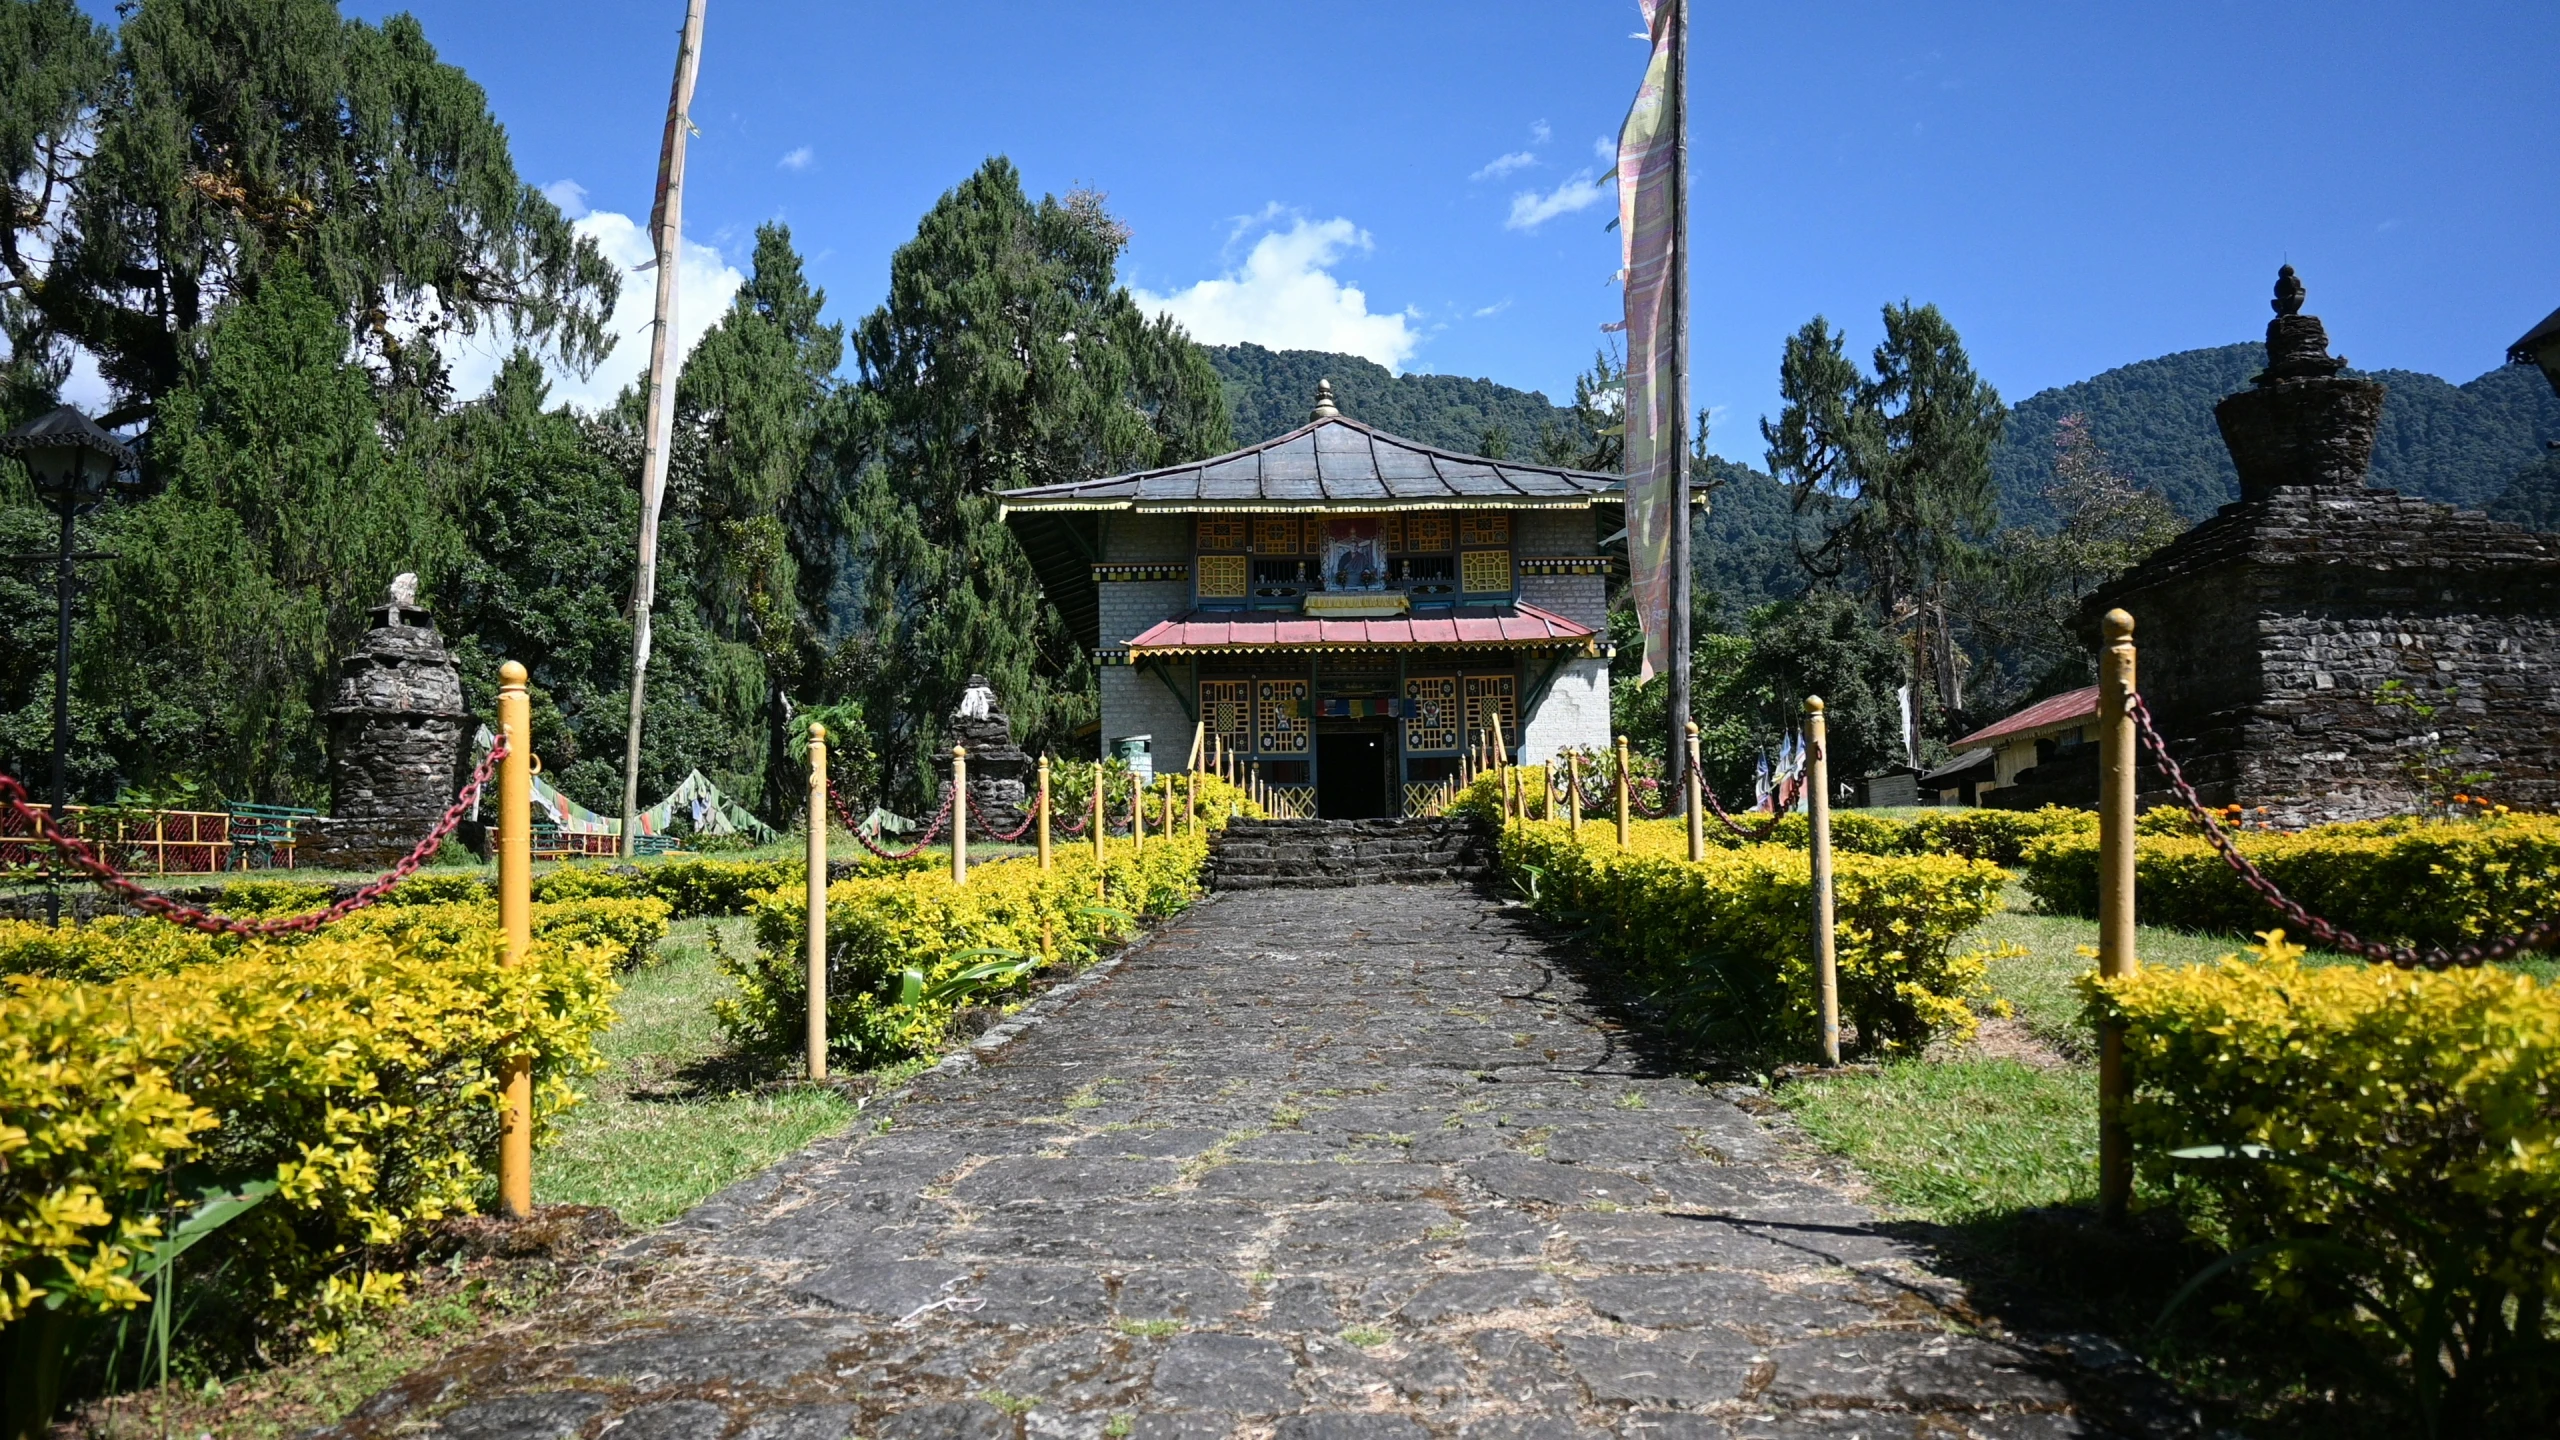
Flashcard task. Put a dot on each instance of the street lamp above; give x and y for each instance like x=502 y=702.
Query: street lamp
x=74 y=466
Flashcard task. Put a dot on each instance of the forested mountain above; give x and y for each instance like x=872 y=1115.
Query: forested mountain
x=2461 y=443
x=1269 y=392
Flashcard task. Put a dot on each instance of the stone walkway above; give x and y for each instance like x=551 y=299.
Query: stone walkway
x=1315 y=1166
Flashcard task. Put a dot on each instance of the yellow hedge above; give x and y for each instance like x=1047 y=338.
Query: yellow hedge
x=2399 y=881
x=116 y=946
x=880 y=926
x=2001 y=836
x=2386 y=1129
x=355 y=1071
x=1727 y=941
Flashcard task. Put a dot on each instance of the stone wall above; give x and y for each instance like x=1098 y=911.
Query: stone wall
x=2266 y=633
x=1136 y=702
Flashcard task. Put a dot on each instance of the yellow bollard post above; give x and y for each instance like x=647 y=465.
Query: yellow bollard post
x=2117 y=757
x=817 y=938
x=515 y=921
x=1573 y=794
x=1622 y=792
x=1098 y=821
x=1697 y=796
x=959 y=815
x=1044 y=812
x=1817 y=791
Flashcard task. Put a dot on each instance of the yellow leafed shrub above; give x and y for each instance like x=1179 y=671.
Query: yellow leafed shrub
x=116 y=946
x=2392 y=1136
x=2401 y=882
x=358 y=1073
x=1727 y=941
x=879 y=927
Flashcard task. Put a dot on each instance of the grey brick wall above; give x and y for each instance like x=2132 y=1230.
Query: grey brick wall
x=1135 y=703
x=1583 y=599
x=1146 y=537
x=1129 y=607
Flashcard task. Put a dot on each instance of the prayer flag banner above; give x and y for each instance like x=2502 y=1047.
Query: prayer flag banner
x=1647 y=193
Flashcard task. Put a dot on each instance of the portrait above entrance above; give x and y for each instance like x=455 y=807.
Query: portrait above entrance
x=1350 y=612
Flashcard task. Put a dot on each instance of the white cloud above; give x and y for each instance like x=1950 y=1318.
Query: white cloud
x=1502 y=165
x=800 y=159
x=1286 y=296
x=1540 y=133
x=1605 y=150
x=704 y=284
x=570 y=196
x=1529 y=209
x=1496 y=308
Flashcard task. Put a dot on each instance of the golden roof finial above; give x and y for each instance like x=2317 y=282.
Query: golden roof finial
x=1324 y=402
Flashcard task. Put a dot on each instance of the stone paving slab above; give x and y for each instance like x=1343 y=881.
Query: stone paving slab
x=1299 y=1167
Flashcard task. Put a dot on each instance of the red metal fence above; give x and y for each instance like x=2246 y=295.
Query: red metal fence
x=155 y=842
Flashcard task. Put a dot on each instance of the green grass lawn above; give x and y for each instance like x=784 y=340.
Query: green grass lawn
x=676 y=1117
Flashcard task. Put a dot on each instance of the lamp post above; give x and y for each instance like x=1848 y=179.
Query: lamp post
x=74 y=466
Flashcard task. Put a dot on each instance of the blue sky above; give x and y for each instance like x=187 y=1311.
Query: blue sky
x=2077 y=186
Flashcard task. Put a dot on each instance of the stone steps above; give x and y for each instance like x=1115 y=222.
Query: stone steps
x=1332 y=854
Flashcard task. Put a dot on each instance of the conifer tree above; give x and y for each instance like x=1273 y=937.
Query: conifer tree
x=1005 y=356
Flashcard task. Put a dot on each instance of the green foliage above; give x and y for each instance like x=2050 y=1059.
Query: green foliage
x=2398 y=882
x=357 y=1075
x=205 y=143
x=2463 y=444
x=905 y=951
x=2532 y=499
x=2375 y=1148
x=1722 y=943
x=1269 y=392
x=2021 y=597
x=1005 y=356
x=1894 y=470
x=2434 y=767
x=233 y=591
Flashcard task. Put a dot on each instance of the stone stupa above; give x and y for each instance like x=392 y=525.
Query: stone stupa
x=2266 y=632
x=396 y=731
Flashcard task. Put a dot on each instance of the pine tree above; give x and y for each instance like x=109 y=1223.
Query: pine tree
x=233 y=591
x=154 y=174
x=1005 y=356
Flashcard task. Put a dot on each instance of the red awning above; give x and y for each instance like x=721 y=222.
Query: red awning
x=1515 y=626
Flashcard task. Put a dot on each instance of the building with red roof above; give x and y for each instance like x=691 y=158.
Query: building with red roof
x=1350 y=610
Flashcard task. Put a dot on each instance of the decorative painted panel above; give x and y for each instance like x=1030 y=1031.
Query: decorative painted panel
x=1223 y=577
x=1392 y=527
x=1483 y=527
x=1222 y=532
x=1275 y=535
x=1280 y=717
x=1428 y=534
x=1485 y=572
x=1226 y=708
x=1489 y=696
x=1433 y=725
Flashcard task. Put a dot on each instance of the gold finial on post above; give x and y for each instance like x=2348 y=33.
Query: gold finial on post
x=959 y=815
x=1044 y=812
x=1817 y=800
x=2117 y=756
x=817 y=887
x=1324 y=402
x=1573 y=794
x=515 y=922
x=1697 y=798
x=1622 y=792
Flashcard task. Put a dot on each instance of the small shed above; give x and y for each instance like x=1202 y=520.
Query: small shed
x=1993 y=757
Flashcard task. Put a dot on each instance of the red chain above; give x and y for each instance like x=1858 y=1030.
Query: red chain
x=150 y=902
x=2542 y=935
x=1018 y=831
x=932 y=828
